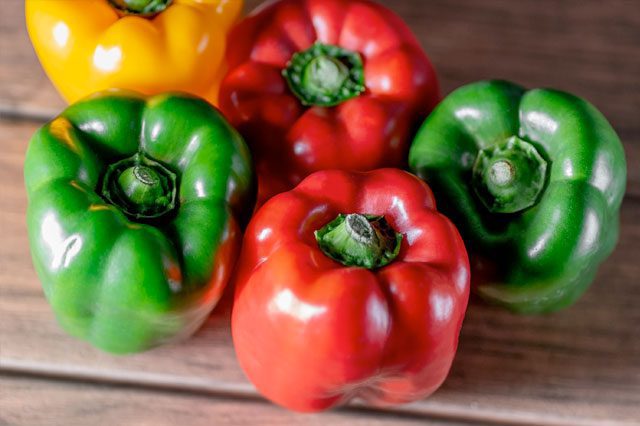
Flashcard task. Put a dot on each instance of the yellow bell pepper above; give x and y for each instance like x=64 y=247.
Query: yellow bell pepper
x=149 y=46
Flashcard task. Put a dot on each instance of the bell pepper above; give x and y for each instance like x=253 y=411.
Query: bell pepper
x=134 y=215
x=150 y=46
x=325 y=84
x=350 y=285
x=534 y=179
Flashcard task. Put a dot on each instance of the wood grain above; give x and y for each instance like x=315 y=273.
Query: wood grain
x=576 y=367
x=70 y=403
x=588 y=47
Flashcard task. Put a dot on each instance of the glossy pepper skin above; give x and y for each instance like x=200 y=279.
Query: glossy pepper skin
x=537 y=242
x=325 y=84
x=92 y=45
x=134 y=215
x=311 y=333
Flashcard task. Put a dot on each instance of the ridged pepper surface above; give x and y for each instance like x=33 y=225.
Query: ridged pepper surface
x=134 y=215
x=534 y=179
x=150 y=46
x=350 y=285
x=325 y=84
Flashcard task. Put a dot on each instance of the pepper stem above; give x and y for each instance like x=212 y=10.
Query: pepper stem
x=141 y=185
x=510 y=177
x=365 y=241
x=142 y=188
x=145 y=8
x=325 y=75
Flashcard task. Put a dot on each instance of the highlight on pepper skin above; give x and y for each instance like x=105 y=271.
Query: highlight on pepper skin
x=351 y=285
x=535 y=189
x=315 y=85
x=134 y=238
x=149 y=46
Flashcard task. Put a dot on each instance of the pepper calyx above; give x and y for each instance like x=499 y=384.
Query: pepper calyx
x=144 y=8
x=325 y=75
x=366 y=241
x=141 y=187
x=509 y=177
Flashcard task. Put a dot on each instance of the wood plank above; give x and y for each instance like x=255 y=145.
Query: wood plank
x=589 y=47
x=25 y=87
x=38 y=402
x=576 y=367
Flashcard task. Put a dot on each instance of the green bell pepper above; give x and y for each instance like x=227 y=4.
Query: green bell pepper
x=134 y=216
x=534 y=180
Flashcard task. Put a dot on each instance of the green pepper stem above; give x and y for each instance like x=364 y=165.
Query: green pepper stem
x=141 y=187
x=145 y=8
x=509 y=177
x=325 y=75
x=502 y=173
x=365 y=241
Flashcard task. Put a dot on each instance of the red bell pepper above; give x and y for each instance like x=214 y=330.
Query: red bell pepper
x=350 y=285
x=325 y=84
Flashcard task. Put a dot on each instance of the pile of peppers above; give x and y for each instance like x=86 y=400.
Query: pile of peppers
x=146 y=200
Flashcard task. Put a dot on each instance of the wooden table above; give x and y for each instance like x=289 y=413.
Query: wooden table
x=577 y=367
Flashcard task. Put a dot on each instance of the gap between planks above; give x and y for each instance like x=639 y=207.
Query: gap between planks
x=480 y=335
x=67 y=402
x=205 y=387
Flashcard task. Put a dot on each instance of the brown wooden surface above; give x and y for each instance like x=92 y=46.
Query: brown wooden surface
x=580 y=366
x=69 y=403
